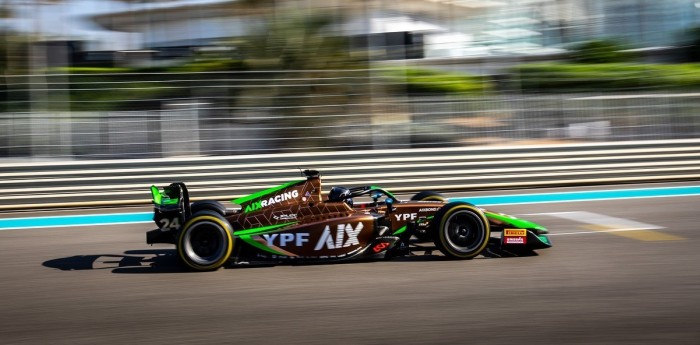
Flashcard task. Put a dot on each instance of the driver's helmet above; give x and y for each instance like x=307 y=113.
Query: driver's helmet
x=340 y=194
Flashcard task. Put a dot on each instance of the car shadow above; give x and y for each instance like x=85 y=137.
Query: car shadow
x=427 y=252
x=132 y=261
x=166 y=261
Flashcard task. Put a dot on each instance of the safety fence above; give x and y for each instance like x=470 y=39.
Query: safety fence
x=155 y=115
x=91 y=183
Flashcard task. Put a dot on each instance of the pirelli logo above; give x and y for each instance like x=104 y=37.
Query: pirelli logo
x=514 y=232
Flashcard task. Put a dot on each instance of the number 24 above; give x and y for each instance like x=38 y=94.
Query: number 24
x=167 y=224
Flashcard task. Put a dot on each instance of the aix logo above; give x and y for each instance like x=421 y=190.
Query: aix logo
x=345 y=236
x=272 y=200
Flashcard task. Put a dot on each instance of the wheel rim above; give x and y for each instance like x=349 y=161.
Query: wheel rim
x=464 y=231
x=204 y=243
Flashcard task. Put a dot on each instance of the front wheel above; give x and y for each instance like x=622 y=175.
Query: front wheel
x=206 y=241
x=460 y=230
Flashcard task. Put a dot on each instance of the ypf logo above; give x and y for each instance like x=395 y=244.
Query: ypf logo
x=287 y=238
x=405 y=216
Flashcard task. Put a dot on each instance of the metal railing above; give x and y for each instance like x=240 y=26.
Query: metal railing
x=228 y=113
x=31 y=185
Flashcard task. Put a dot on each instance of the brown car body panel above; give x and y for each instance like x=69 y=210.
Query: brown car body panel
x=297 y=221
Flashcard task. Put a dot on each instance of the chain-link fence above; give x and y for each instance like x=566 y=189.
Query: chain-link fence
x=227 y=113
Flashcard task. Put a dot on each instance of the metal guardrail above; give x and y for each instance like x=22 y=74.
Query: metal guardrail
x=158 y=115
x=32 y=185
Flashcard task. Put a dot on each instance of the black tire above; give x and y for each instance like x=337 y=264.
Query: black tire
x=428 y=196
x=206 y=241
x=208 y=205
x=460 y=230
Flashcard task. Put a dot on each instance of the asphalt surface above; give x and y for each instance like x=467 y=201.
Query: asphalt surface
x=600 y=285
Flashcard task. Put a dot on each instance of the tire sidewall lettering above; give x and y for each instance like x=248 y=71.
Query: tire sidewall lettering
x=450 y=213
x=228 y=238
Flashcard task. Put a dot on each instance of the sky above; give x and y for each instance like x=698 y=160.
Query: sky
x=70 y=20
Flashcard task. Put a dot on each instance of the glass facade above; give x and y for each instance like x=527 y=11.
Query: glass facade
x=531 y=26
x=647 y=22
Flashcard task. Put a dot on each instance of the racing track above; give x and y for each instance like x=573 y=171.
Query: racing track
x=621 y=271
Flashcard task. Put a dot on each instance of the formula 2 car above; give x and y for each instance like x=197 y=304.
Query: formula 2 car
x=294 y=222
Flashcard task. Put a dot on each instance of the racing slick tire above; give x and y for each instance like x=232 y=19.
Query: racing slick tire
x=428 y=196
x=206 y=241
x=460 y=230
x=208 y=205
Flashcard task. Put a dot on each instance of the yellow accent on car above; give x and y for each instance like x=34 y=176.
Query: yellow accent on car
x=514 y=232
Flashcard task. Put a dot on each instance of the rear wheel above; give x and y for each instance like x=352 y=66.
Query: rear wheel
x=206 y=241
x=460 y=230
x=428 y=196
x=208 y=205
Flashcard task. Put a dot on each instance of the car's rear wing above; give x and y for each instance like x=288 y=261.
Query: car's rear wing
x=171 y=208
x=172 y=197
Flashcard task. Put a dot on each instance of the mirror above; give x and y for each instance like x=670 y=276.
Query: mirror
x=389 y=205
x=375 y=195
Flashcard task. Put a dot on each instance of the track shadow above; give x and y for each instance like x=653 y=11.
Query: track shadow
x=166 y=260
x=133 y=261
x=428 y=252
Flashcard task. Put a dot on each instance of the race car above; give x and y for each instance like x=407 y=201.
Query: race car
x=296 y=222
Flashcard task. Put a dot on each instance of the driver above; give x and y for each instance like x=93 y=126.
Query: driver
x=340 y=194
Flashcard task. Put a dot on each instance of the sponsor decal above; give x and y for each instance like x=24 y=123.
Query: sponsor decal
x=285 y=217
x=429 y=209
x=380 y=246
x=406 y=216
x=272 y=200
x=515 y=240
x=345 y=236
x=515 y=232
x=297 y=239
